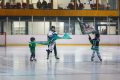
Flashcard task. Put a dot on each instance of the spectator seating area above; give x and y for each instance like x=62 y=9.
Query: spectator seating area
x=31 y=6
x=70 y=6
x=80 y=6
x=18 y=5
x=34 y=6
x=101 y=6
x=49 y=5
x=92 y=6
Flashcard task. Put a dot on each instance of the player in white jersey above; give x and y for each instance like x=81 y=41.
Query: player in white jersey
x=53 y=34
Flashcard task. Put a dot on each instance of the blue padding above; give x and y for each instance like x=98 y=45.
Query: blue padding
x=53 y=35
x=119 y=13
x=84 y=3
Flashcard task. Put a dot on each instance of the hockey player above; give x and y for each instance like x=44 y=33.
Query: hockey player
x=52 y=44
x=32 y=49
x=95 y=46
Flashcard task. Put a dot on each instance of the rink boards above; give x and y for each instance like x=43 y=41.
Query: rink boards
x=23 y=40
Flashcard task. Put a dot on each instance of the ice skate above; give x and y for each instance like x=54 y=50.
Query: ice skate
x=31 y=59
x=92 y=59
x=56 y=57
x=47 y=57
x=100 y=59
x=35 y=59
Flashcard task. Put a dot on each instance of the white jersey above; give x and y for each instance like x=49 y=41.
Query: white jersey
x=52 y=33
x=51 y=46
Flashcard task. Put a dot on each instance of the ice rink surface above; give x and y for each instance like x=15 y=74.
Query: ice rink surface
x=74 y=64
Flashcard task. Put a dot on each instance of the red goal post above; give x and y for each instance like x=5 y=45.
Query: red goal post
x=3 y=39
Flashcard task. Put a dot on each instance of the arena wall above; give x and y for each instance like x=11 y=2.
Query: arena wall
x=76 y=39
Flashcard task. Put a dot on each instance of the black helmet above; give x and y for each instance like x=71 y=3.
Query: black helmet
x=32 y=39
x=52 y=27
x=97 y=35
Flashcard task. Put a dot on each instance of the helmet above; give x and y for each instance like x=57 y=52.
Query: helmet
x=52 y=27
x=97 y=35
x=32 y=39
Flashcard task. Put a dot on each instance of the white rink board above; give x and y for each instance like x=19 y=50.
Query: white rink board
x=2 y=39
x=76 y=39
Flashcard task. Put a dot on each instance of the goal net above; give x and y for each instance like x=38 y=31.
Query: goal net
x=3 y=39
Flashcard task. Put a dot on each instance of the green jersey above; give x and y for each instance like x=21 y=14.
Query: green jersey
x=95 y=44
x=32 y=47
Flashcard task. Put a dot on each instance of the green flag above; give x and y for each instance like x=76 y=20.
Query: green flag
x=65 y=36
